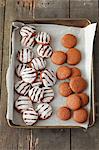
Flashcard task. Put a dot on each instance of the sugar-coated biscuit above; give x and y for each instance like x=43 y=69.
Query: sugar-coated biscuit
x=29 y=75
x=63 y=72
x=73 y=56
x=23 y=103
x=58 y=57
x=38 y=63
x=44 y=110
x=30 y=116
x=69 y=40
x=45 y=51
x=22 y=87
x=27 y=30
x=36 y=94
x=19 y=69
x=84 y=98
x=73 y=102
x=75 y=72
x=28 y=41
x=78 y=84
x=48 y=94
x=64 y=89
x=48 y=78
x=43 y=38
x=64 y=113
x=25 y=55
x=80 y=115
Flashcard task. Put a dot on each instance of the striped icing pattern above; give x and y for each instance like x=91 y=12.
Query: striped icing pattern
x=43 y=38
x=30 y=117
x=28 y=41
x=19 y=69
x=48 y=78
x=27 y=30
x=25 y=55
x=29 y=75
x=44 y=51
x=38 y=63
x=36 y=94
x=23 y=103
x=38 y=81
x=48 y=95
x=44 y=110
x=22 y=87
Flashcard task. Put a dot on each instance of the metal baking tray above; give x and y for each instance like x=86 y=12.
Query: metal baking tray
x=68 y=22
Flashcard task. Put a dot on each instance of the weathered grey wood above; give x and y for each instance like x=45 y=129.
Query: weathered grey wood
x=84 y=9
x=51 y=8
x=2 y=5
x=87 y=140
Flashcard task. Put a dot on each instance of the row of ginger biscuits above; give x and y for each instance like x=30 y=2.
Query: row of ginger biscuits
x=74 y=84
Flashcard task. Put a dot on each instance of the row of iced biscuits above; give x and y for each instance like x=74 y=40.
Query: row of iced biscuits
x=36 y=83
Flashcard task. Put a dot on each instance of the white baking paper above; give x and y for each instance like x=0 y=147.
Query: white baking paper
x=85 y=38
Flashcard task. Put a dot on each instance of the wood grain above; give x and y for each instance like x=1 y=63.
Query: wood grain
x=84 y=9
x=51 y=9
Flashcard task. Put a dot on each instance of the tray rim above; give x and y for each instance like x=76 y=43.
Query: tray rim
x=10 y=122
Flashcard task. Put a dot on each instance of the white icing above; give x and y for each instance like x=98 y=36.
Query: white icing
x=23 y=103
x=44 y=51
x=25 y=55
x=36 y=94
x=22 y=88
x=44 y=110
x=43 y=38
x=28 y=41
x=27 y=30
x=48 y=95
x=48 y=78
x=38 y=63
x=30 y=116
x=19 y=68
x=28 y=75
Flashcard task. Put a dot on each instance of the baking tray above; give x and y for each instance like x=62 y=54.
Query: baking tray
x=68 y=22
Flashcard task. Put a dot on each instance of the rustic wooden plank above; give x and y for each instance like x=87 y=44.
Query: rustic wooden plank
x=84 y=9
x=81 y=140
x=2 y=6
x=51 y=8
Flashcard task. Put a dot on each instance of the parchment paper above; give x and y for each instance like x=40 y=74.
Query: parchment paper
x=85 y=38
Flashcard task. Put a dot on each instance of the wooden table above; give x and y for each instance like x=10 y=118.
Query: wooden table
x=45 y=139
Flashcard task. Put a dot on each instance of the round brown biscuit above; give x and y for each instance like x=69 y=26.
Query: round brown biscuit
x=63 y=72
x=69 y=40
x=64 y=113
x=58 y=57
x=64 y=89
x=78 y=84
x=84 y=98
x=73 y=102
x=80 y=115
x=73 y=56
x=75 y=72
